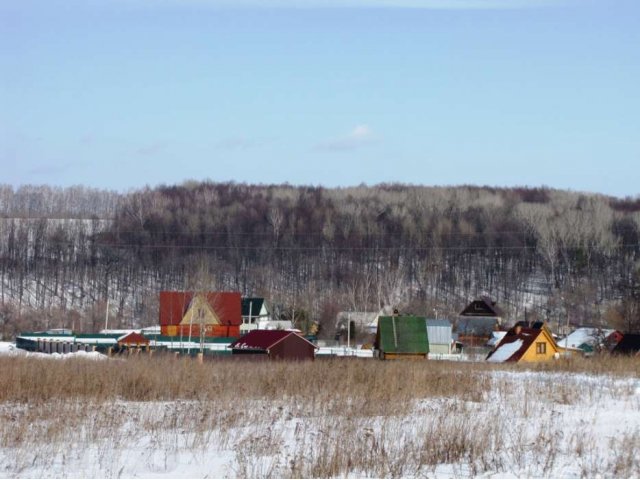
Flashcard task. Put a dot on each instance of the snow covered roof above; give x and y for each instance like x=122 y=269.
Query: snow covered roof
x=496 y=337
x=585 y=335
x=505 y=351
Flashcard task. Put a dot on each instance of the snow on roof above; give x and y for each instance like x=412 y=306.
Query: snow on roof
x=495 y=338
x=505 y=352
x=588 y=335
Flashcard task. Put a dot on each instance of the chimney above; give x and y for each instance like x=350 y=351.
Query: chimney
x=517 y=329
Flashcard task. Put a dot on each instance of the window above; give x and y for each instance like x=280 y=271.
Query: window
x=541 y=348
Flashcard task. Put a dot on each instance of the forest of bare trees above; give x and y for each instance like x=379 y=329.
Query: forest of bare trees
x=566 y=257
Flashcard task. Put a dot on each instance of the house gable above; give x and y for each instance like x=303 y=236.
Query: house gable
x=483 y=307
x=175 y=305
x=200 y=313
x=254 y=307
x=542 y=348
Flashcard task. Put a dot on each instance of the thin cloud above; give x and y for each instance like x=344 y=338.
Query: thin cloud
x=360 y=136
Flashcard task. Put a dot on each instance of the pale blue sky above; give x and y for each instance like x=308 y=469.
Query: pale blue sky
x=121 y=94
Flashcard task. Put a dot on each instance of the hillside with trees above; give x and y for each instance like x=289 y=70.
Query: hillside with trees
x=565 y=257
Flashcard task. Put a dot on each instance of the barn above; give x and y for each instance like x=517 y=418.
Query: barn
x=275 y=344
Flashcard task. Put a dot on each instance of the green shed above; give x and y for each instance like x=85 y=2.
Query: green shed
x=402 y=337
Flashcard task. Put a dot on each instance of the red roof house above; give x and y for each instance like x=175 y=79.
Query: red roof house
x=276 y=344
x=133 y=339
x=211 y=314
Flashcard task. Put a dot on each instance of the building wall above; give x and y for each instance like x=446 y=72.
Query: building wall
x=292 y=347
x=209 y=330
x=403 y=356
x=439 y=348
x=532 y=355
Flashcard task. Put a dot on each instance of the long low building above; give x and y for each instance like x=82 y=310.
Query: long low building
x=52 y=341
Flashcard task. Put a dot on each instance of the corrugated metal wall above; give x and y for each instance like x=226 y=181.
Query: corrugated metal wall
x=439 y=332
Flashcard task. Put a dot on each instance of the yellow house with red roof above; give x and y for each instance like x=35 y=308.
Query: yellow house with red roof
x=528 y=344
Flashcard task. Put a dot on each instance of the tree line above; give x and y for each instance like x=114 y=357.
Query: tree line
x=565 y=257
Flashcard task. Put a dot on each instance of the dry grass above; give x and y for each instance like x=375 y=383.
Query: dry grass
x=329 y=418
x=167 y=378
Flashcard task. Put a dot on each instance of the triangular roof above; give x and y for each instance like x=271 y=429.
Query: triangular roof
x=226 y=305
x=264 y=339
x=402 y=334
x=482 y=307
x=133 y=338
x=252 y=306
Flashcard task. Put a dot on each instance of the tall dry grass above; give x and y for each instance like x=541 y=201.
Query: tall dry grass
x=167 y=378
x=323 y=419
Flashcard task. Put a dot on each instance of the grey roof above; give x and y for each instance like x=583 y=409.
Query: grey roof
x=438 y=322
x=480 y=326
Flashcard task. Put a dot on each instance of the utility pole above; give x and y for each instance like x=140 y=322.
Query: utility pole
x=349 y=330
x=106 y=316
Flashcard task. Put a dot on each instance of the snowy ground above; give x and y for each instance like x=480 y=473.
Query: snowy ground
x=528 y=424
x=9 y=349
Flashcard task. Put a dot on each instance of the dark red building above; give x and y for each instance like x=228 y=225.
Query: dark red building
x=276 y=344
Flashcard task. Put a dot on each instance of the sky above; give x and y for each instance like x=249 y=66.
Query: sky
x=121 y=94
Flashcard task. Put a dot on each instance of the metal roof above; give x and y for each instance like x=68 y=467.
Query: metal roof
x=402 y=335
x=263 y=339
x=226 y=305
x=438 y=322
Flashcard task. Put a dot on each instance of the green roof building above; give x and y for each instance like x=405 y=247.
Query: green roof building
x=402 y=337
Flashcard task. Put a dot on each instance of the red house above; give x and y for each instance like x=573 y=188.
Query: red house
x=210 y=314
x=133 y=339
x=276 y=344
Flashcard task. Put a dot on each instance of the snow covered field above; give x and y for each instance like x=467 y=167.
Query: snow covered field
x=523 y=423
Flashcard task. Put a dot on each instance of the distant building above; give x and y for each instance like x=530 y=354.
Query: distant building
x=477 y=321
x=254 y=312
x=402 y=337
x=629 y=345
x=524 y=343
x=440 y=335
x=275 y=345
x=195 y=314
x=591 y=339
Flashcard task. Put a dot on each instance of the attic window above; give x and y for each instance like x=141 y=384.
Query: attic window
x=541 y=348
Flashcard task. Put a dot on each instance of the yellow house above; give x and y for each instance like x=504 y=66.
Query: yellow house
x=526 y=344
